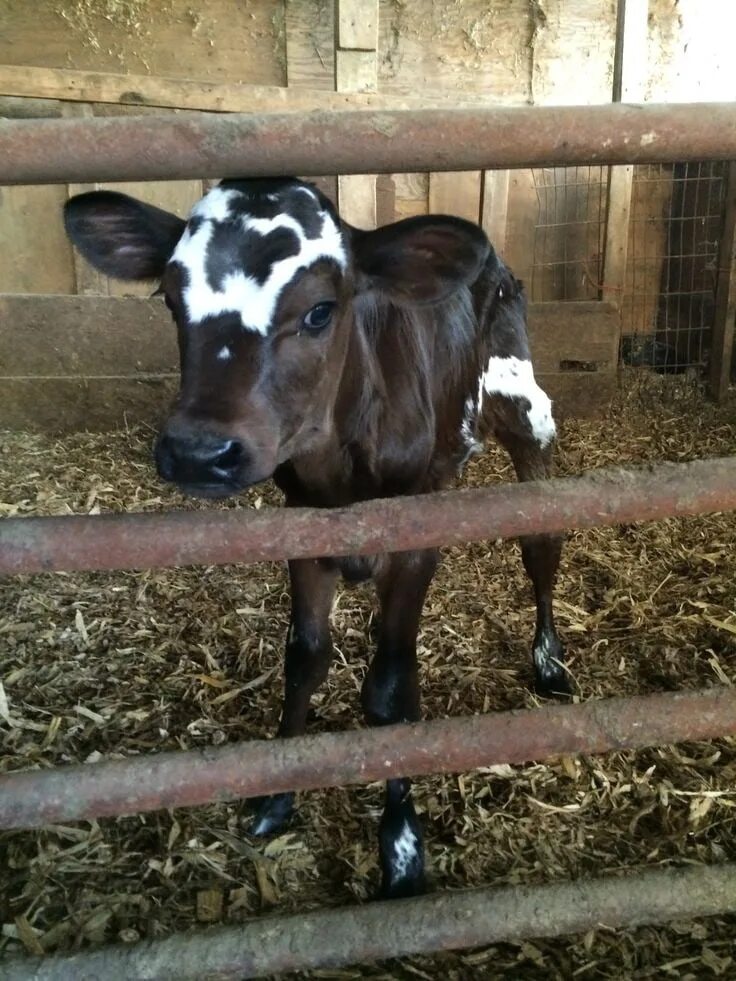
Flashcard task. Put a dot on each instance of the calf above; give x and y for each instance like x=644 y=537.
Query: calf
x=346 y=365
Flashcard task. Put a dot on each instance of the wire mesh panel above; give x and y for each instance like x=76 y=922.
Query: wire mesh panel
x=569 y=232
x=675 y=226
x=674 y=233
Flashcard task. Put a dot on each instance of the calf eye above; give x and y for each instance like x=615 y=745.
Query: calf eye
x=318 y=317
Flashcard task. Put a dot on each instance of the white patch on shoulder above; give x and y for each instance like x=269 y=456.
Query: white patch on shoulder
x=239 y=292
x=405 y=851
x=514 y=377
x=224 y=354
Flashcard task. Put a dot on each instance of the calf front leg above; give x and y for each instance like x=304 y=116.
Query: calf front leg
x=308 y=656
x=390 y=694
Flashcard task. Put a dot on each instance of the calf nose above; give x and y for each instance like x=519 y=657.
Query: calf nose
x=205 y=459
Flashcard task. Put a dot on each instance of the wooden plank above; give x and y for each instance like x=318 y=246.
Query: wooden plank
x=357 y=25
x=310 y=46
x=724 y=319
x=412 y=195
x=357 y=71
x=522 y=215
x=37 y=253
x=85 y=335
x=218 y=40
x=310 y=62
x=630 y=61
x=578 y=337
x=21 y=87
x=473 y=47
x=86 y=359
x=455 y=194
x=63 y=405
x=577 y=395
x=495 y=207
x=89 y=335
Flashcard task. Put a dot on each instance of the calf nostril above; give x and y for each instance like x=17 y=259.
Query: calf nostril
x=228 y=457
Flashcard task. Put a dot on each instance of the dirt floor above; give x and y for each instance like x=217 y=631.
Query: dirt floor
x=101 y=666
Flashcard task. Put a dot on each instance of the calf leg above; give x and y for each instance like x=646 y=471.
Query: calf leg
x=391 y=694
x=308 y=657
x=540 y=553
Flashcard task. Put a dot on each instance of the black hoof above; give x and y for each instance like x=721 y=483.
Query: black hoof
x=557 y=686
x=271 y=813
x=551 y=680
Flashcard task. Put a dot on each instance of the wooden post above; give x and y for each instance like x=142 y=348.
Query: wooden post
x=628 y=86
x=494 y=207
x=356 y=70
x=724 y=317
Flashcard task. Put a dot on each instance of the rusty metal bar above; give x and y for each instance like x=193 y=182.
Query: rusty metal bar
x=445 y=921
x=250 y=769
x=239 y=145
x=179 y=538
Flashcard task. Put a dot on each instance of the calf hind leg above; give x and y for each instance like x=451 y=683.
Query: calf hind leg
x=391 y=694
x=532 y=460
x=308 y=657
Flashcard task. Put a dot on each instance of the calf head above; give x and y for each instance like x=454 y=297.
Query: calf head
x=261 y=280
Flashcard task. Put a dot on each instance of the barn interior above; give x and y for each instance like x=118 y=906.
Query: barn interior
x=630 y=274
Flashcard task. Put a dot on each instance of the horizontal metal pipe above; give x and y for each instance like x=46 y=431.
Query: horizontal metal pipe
x=179 y=538
x=177 y=779
x=445 y=921
x=253 y=145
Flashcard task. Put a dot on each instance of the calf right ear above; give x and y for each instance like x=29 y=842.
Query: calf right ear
x=121 y=236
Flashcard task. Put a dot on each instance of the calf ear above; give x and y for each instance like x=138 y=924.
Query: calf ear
x=420 y=260
x=120 y=236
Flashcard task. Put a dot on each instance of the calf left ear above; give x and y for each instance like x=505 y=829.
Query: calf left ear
x=121 y=236
x=420 y=260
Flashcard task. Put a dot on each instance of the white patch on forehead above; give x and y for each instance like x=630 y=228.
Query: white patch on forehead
x=215 y=205
x=405 y=852
x=240 y=293
x=515 y=378
x=224 y=354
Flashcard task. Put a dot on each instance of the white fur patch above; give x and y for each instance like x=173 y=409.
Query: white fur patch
x=224 y=354
x=405 y=851
x=241 y=293
x=467 y=430
x=542 y=653
x=515 y=378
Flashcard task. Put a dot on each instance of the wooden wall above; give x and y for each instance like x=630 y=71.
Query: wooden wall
x=103 y=57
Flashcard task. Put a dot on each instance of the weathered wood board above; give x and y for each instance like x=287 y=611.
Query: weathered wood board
x=216 y=41
x=88 y=362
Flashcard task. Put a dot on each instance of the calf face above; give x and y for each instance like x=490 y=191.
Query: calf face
x=261 y=281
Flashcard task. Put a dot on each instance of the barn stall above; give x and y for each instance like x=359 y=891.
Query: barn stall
x=98 y=666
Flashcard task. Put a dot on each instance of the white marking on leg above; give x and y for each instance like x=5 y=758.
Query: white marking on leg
x=542 y=654
x=467 y=430
x=224 y=354
x=240 y=293
x=514 y=378
x=405 y=851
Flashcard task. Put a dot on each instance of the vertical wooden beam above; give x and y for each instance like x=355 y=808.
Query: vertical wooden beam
x=455 y=194
x=724 y=318
x=356 y=70
x=310 y=57
x=629 y=72
x=495 y=206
